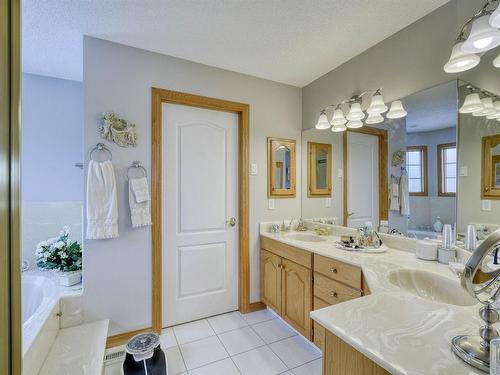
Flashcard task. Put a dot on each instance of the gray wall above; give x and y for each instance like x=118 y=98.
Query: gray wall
x=52 y=141
x=119 y=78
x=408 y=61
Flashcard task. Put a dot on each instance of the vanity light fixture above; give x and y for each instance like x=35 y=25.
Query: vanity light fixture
x=397 y=110
x=479 y=34
x=323 y=122
x=496 y=62
x=472 y=103
x=356 y=115
x=480 y=102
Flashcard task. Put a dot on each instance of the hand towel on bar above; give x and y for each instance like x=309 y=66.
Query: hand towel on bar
x=140 y=207
x=404 y=196
x=102 y=206
x=141 y=189
x=394 y=197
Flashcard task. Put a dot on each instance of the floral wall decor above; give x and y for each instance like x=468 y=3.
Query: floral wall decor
x=398 y=158
x=118 y=130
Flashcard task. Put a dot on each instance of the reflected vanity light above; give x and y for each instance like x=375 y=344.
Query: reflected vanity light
x=496 y=62
x=397 y=110
x=478 y=34
x=472 y=103
x=496 y=114
x=356 y=115
x=488 y=105
x=487 y=109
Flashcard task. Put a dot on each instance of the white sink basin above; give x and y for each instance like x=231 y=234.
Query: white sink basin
x=431 y=286
x=305 y=237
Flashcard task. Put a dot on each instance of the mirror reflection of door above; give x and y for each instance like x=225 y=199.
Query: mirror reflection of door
x=281 y=168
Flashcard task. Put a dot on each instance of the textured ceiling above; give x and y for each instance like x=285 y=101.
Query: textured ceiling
x=289 y=41
x=432 y=109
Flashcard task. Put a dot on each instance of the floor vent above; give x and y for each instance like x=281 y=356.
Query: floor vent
x=114 y=356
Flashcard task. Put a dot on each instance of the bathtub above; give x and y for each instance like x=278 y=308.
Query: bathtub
x=40 y=316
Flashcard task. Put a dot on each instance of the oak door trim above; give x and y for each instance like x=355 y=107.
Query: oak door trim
x=160 y=96
x=312 y=190
x=383 y=183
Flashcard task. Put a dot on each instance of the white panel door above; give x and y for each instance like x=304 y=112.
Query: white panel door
x=362 y=179
x=200 y=192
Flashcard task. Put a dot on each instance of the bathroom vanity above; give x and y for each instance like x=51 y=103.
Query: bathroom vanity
x=368 y=313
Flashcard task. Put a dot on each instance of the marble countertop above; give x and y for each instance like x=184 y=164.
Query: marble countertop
x=398 y=330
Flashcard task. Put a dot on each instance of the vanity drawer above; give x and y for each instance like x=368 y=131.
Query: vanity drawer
x=332 y=291
x=345 y=273
x=319 y=304
x=319 y=336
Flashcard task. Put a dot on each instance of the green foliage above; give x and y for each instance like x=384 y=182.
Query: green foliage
x=59 y=253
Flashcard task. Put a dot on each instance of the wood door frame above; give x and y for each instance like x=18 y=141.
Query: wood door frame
x=160 y=96
x=382 y=167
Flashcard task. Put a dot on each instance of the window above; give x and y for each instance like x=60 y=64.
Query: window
x=416 y=166
x=447 y=170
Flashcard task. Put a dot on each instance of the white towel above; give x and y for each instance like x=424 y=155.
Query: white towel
x=141 y=189
x=394 y=197
x=404 y=196
x=102 y=206
x=139 y=202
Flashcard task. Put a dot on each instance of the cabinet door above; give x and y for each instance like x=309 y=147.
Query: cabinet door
x=270 y=280
x=296 y=300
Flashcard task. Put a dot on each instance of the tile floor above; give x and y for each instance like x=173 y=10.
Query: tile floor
x=259 y=343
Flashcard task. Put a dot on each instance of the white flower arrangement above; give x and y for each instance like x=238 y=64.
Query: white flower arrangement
x=59 y=253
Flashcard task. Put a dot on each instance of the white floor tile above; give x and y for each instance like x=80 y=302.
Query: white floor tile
x=224 y=367
x=167 y=338
x=273 y=330
x=227 y=322
x=203 y=352
x=258 y=316
x=311 y=368
x=175 y=361
x=192 y=331
x=261 y=361
x=240 y=340
x=295 y=351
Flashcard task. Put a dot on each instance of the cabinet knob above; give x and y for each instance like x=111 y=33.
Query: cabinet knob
x=334 y=270
x=334 y=294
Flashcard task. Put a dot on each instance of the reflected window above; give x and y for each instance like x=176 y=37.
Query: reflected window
x=416 y=166
x=447 y=169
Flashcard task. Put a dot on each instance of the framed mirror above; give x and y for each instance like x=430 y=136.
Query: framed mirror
x=490 y=174
x=319 y=176
x=281 y=168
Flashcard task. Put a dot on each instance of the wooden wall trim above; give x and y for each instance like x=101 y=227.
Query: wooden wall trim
x=383 y=149
x=122 y=338
x=160 y=96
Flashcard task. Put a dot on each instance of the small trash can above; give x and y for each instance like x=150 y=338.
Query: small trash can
x=144 y=356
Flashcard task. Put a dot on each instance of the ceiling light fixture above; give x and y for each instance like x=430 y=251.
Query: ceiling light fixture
x=355 y=114
x=479 y=34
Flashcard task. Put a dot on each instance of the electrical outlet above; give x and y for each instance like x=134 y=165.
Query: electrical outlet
x=270 y=204
x=253 y=169
x=486 y=205
x=328 y=202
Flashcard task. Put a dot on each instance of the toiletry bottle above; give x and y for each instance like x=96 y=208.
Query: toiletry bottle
x=384 y=226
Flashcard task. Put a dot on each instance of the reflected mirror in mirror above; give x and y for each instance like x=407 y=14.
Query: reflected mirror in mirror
x=319 y=169
x=281 y=166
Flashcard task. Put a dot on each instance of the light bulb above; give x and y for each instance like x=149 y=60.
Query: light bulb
x=460 y=61
x=472 y=103
x=355 y=124
x=377 y=105
x=355 y=113
x=482 y=36
x=495 y=18
x=397 y=110
x=323 y=122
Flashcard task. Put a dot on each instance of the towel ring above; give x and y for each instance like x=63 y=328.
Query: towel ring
x=101 y=147
x=136 y=165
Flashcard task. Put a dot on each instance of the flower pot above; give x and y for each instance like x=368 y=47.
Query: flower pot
x=70 y=278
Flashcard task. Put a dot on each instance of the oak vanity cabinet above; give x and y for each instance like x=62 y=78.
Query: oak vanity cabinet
x=286 y=283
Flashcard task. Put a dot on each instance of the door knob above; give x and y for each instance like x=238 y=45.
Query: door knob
x=232 y=221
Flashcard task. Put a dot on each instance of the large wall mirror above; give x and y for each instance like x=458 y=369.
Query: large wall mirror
x=319 y=173
x=281 y=168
